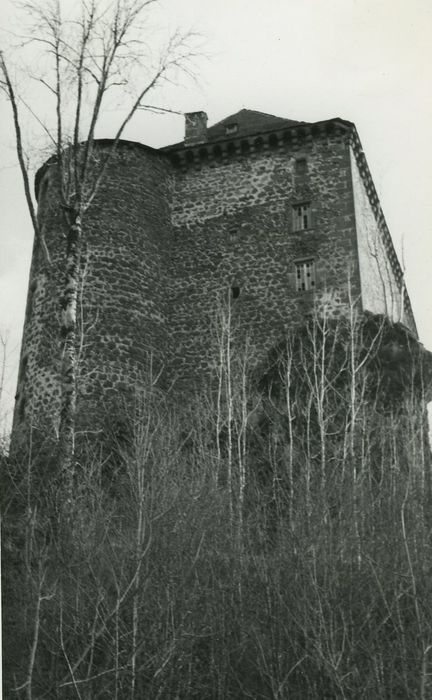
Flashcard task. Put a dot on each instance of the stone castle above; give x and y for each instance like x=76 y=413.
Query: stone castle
x=265 y=212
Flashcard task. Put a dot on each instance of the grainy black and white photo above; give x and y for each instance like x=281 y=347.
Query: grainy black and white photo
x=216 y=349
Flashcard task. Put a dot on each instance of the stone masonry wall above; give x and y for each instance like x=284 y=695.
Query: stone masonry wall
x=168 y=248
x=233 y=227
x=382 y=291
x=122 y=310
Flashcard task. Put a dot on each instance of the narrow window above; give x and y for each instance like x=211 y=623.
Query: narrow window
x=301 y=167
x=21 y=407
x=302 y=218
x=305 y=275
x=23 y=369
x=235 y=291
x=31 y=298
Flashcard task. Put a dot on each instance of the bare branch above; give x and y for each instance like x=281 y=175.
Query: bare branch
x=20 y=152
x=87 y=25
x=47 y=85
x=170 y=58
x=39 y=121
x=159 y=110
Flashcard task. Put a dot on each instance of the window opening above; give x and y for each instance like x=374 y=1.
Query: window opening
x=302 y=218
x=31 y=297
x=232 y=234
x=301 y=166
x=235 y=291
x=23 y=369
x=43 y=188
x=305 y=275
x=21 y=408
x=231 y=129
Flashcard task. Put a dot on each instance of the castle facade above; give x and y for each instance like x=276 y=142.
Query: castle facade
x=266 y=214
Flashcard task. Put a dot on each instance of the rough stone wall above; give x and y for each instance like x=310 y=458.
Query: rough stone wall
x=382 y=291
x=122 y=309
x=38 y=387
x=168 y=250
x=233 y=226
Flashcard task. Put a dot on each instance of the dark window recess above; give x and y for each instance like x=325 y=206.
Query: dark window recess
x=302 y=217
x=235 y=291
x=21 y=408
x=21 y=402
x=23 y=369
x=301 y=167
x=231 y=129
x=305 y=275
x=31 y=296
x=43 y=187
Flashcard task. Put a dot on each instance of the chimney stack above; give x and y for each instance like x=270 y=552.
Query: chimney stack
x=195 y=128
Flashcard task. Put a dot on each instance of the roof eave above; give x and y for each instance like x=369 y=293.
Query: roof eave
x=181 y=145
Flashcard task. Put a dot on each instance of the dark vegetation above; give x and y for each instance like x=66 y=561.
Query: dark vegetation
x=272 y=540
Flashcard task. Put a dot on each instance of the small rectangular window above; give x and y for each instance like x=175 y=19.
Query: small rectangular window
x=232 y=234
x=231 y=129
x=302 y=217
x=301 y=167
x=305 y=275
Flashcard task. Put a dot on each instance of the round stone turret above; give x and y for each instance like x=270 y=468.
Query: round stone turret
x=123 y=329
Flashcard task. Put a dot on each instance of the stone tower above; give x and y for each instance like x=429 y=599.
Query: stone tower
x=272 y=213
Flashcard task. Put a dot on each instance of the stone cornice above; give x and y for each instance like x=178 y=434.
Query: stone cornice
x=290 y=137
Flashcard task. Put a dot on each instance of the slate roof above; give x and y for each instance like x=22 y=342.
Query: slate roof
x=248 y=122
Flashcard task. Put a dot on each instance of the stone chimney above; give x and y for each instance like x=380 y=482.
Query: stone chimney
x=195 y=128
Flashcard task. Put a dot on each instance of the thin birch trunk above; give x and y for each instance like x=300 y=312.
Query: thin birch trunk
x=289 y=407
x=68 y=337
x=229 y=399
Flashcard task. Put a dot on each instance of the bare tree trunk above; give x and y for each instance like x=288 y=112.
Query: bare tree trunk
x=84 y=58
x=229 y=400
x=290 y=417
x=68 y=334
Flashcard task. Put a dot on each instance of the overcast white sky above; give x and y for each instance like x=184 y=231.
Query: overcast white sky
x=368 y=61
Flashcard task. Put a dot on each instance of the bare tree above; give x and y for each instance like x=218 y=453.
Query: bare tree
x=165 y=582
x=97 y=51
x=3 y=348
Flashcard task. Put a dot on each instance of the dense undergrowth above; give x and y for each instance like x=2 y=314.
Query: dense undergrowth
x=271 y=540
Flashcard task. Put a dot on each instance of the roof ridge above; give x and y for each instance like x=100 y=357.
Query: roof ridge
x=251 y=111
